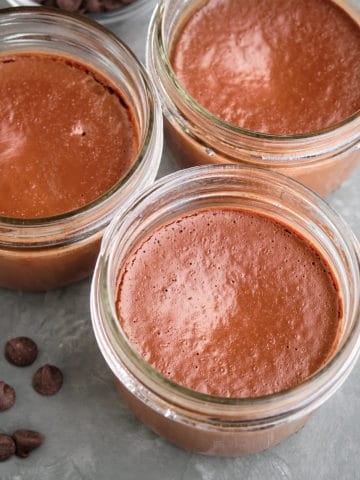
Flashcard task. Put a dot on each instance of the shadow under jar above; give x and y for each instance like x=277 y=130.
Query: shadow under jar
x=204 y=423
x=321 y=159
x=57 y=249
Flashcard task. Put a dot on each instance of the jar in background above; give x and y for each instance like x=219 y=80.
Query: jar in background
x=109 y=18
x=51 y=252
x=320 y=160
x=195 y=421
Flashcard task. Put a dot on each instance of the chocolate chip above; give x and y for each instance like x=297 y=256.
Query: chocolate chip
x=87 y=6
x=93 y=6
x=26 y=441
x=7 y=396
x=47 y=380
x=21 y=351
x=110 y=4
x=7 y=447
x=69 y=5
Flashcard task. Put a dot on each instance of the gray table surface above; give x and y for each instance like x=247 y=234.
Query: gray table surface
x=91 y=434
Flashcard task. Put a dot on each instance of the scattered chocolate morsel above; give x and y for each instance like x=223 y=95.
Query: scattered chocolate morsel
x=69 y=5
x=109 y=5
x=26 y=441
x=93 y=6
x=7 y=447
x=87 y=6
x=47 y=380
x=7 y=396
x=21 y=351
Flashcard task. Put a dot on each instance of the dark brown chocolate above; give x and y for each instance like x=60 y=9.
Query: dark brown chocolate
x=7 y=447
x=7 y=396
x=47 y=380
x=21 y=351
x=26 y=441
x=87 y=6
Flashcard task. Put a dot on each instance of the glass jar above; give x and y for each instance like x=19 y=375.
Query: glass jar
x=110 y=18
x=51 y=252
x=321 y=160
x=202 y=423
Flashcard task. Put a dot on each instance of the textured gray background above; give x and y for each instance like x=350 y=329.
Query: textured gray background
x=90 y=433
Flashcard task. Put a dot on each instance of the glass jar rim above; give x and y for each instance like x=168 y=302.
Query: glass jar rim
x=156 y=36
x=56 y=222
x=117 y=348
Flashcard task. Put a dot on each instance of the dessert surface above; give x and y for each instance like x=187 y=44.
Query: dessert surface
x=66 y=135
x=272 y=66
x=230 y=303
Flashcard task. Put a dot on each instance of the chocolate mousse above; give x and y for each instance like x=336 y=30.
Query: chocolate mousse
x=67 y=135
x=272 y=66
x=230 y=302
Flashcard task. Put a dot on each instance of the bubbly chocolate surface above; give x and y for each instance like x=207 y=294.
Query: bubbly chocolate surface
x=272 y=66
x=67 y=135
x=230 y=303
